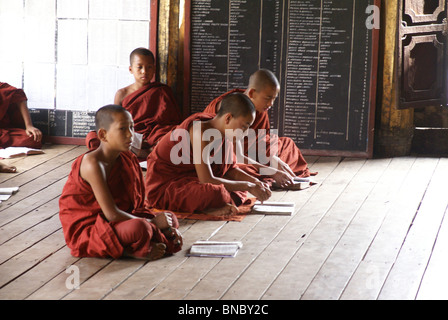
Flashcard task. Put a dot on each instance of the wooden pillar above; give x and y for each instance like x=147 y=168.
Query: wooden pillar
x=395 y=127
x=169 y=46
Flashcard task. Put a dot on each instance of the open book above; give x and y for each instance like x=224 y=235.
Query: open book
x=136 y=145
x=273 y=208
x=220 y=249
x=5 y=193
x=12 y=152
x=144 y=165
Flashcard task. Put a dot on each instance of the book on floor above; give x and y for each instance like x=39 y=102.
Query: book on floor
x=5 y=193
x=303 y=183
x=273 y=208
x=13 y=152
x=219 y=249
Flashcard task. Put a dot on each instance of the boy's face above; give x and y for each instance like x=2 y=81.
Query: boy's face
x=142 y=68
x=264 y=99
x=241 y=123
x=120 y=132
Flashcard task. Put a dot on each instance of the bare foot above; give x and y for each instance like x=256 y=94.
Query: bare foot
x=164 y=222
x=7 y=169
x=227 y=210
x=157 y=251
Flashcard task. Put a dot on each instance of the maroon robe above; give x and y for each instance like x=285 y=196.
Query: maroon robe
x=12 y=126
x=86 y=230
x=154 y=111
x=176 y=187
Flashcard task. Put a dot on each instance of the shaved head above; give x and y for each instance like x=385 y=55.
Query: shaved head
x=142 y=52
x=104 y=116
x=237 y=104
x=262 y=79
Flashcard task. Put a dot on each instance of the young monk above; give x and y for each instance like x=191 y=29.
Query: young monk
x=151 y=104
x=16 y=127
x=102 y=204
x=289 y=162
x=193 y=168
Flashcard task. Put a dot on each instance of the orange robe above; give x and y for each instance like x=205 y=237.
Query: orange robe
x=86 y=230
x=154 y=111
x=287 y=150
x=176 y=187
x=12 y=126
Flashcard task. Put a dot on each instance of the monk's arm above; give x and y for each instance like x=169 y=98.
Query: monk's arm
x=205 y=175
x=237 y=174
x=279 y=164
x=256 y=187
x=95 y=175
x=29 y=128
x=119 y=96
x=234 y=180
x=203 y=169
x=282 y=177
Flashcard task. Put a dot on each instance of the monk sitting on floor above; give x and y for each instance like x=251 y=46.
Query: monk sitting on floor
x=151 y=104
x=193 y=169
x=102 y=204
x=282 y=164
x=16 y=127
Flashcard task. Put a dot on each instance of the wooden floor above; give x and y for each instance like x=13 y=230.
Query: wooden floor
x=370 y=229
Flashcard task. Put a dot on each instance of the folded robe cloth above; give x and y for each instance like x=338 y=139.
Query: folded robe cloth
x=243 y=210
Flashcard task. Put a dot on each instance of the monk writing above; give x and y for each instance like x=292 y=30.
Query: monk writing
x=284 y=163
x=151 y=104
x=16 y=127
x=102 y=204
x=193 y=169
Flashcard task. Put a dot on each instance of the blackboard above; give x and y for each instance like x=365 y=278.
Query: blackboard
x=63 y=123
x=322 y=51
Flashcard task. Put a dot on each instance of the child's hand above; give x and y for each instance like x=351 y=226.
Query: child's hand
x=283 y=179
x=260 y=190
x=34 y=132
x=285 y=168
x=163 y=220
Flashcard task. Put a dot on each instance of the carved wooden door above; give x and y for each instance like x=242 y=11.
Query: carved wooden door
x=423 y=54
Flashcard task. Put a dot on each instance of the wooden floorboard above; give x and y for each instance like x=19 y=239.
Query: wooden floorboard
x=370 y=229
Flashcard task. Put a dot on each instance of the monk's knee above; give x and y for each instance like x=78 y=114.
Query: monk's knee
x=132 y=231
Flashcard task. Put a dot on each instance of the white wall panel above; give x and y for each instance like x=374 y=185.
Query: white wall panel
x=70 y=54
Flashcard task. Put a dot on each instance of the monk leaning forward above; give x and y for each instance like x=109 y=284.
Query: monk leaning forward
x=286 y=161
x=193 y=169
